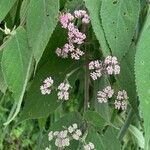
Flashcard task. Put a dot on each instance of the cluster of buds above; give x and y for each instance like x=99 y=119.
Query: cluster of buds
x=63 y=138
x=121 y=101
x=109 y=66
x=108 y=92
x=75 y=37
x=63 y=88
x=97 y=67
x=103 y=96
x=46 y=88
x=63 y=93
x=89 y=146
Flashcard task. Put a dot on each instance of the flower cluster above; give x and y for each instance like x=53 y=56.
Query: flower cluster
x=121 y=102
x=103 y=96
x=75 y=37
x=97 y=66
x=63 y=138
x=108 y=92
x=47 y=85
x=109 y=66
x=63 y=88
x=89 y=146
x=63 y=93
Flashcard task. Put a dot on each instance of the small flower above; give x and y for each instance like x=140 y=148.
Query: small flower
x=103 y=96
x=65 y=19
x=62 y=139
x=121 y=102
x=97 y=67
x=47 y=148
x=46 y=87
x=63 y=93
x=111 y=65
x=89 y=146
x=75 y=126
x=70 y=129
x=50 y=136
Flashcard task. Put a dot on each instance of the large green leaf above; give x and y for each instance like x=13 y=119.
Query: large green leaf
x=110 y=139
x=142 y=73
x=95 y=138
x=16 y=65
x=5 y=6
x=93 y=7
x=126 y=79
x=42 y=18
x=65 y=121
x=95 y=119
x=38 y=105
x=119 y=20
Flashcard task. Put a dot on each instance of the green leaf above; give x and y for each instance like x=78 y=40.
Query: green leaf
x=23 y=11
x=38 y=105
x=102 y=109
x=95 y=138
x=65 y=121
x=16 y=65
x=126 y=79
x=138 y=136
x=94 y=7
x=5 y=6
x=142 y=73
x=119 y=20
x=110 y=139
x=95 y=119
x=42 y=18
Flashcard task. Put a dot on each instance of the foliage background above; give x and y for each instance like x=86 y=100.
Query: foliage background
x=27 y=56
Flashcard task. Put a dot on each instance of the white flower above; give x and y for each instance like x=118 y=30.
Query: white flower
x=63 y=93
x=111 y=65
x=50 y=136
x=75 y=126
x=70 y=129
x=46 y=87
x=89 y=146
x=103 y=96
x=47 y=148
x=78 y=132
x=75 y=136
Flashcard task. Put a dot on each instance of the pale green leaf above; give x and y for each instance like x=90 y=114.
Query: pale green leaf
x=94 y=7
x=16 y=65
x=5 y=6
x=142 y=73
x=138 y=135
x=42 y=18
x=119 y=20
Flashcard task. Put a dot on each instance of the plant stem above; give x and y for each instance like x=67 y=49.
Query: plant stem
x=86 y=83
x=126 y=124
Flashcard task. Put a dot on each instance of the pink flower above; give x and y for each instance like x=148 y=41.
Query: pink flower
x=75 y=37
x=65 y=19
x=46 y=87
x=103 y=96
x=111 y=65
x=63 y=93
x=97 y=67
x=121 y=102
